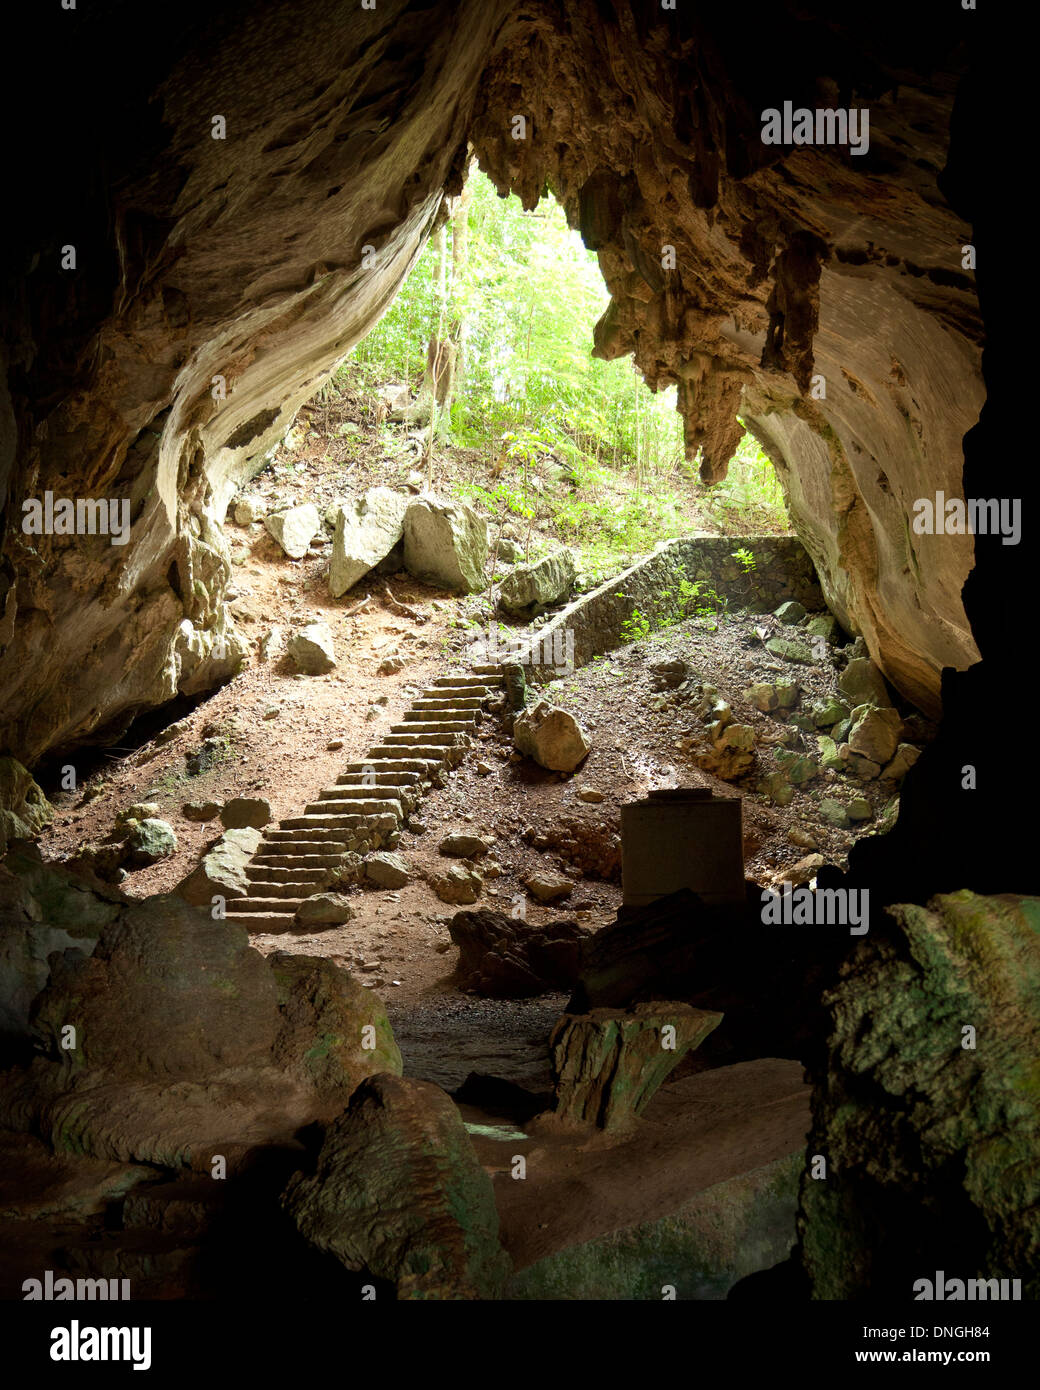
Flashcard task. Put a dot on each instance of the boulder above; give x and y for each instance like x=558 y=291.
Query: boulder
x=457 y=885
x=804 y=871
x=905 y=757
x=223 y=869
x=461 y=845
x=388 y=870
x=399 y=1192
x=43 y=908
x=790 y=650
x=732 y=753
x=608 y=1064
x=248 y=510
x=245 y=811
x=790 y=613
x=323 y=1014
x=828 y=712
x=324 y=910
x=140 y=810
x=295 y=528
x=834 y=813
x=149 y=841
x=366 y=532
x=829 y=756
x=777 y=788
x=508 y=551
x=551 y=736
x=445 y=545
x=530 y=589
x=548 y=888
x=503 y=957
x=24 y=810
x=311 y=649
x=167 y=992
x=763 y=696
x=669 y=674
x=796 y=768
x=200 y=810
x=875 y=733
x=863 y=683
x=824 y=625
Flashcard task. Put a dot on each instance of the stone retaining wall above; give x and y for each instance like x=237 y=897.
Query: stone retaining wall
x=595 y=622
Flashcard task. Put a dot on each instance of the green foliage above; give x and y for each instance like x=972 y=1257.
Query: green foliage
x=526 y=301
x=746 y=559
x=636 y=627
x=566 y=436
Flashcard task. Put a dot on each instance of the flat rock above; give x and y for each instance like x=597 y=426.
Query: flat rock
x=295 y=528
x=388 y=870
x=445 y=545
x=461 y=845
x=548 y=888
x=222 y=871
x=324 y=910
x=551 y=736
x=366 y=532
x=530 y=589
x=311 y=650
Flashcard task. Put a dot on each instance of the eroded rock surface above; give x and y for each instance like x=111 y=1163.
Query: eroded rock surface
x=399 y=1192
x=926 y=1109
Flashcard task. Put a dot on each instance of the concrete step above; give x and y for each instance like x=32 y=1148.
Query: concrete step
x=392 y=763
x=415 y=720
x=282 y=906
x=294 y=871
x=460 y=703
x=430 y=754
x=375 y=780
x=329 y=840
x=302 y=859
x=274 y=923
x=410 y=740
x=292 y=891
x=340 y=791
x=352 y=806
x=331 y=821
x=490 y=670
x=469 y=682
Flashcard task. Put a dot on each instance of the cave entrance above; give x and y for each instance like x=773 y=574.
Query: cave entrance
x=479 y=383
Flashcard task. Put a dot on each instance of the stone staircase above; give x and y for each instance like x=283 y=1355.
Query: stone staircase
x=368 y=804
